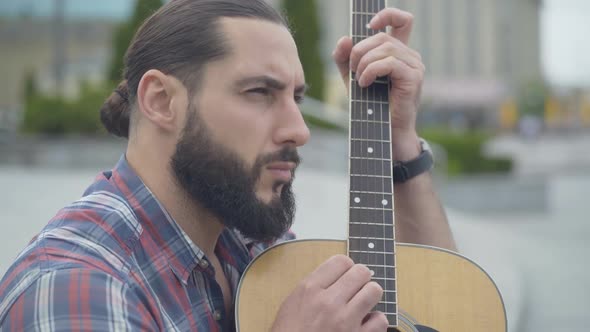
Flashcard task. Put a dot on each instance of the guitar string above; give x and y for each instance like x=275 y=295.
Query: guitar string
x=382 y=181
x=363 y=107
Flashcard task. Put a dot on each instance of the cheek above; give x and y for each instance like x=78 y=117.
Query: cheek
x=244 y=131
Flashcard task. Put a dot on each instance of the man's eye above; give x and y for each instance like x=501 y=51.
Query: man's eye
x=261 y=91
x=299 y=99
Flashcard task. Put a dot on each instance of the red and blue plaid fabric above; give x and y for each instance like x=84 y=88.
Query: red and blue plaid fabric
x=116 y=261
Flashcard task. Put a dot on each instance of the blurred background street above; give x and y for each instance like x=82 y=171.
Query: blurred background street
x=506 y=105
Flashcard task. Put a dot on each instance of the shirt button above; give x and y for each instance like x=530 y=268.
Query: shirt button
x=217 y=315
x=203 y=263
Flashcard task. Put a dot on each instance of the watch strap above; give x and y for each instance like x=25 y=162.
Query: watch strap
x=403 y=171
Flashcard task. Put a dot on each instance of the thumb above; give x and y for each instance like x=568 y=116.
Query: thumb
x=341 y=56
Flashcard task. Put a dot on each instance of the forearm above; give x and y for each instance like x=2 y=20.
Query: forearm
x=419 y=215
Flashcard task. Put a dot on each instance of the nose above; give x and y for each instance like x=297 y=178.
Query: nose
x=291 y=128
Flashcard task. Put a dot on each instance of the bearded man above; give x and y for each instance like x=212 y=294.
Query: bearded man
x=209 y=104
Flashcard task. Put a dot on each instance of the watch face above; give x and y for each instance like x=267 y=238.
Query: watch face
x=426 y=147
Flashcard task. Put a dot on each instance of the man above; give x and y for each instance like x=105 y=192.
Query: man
x=209 y=106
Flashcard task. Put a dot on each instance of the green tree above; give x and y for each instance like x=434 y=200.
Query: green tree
x=30 y=87
x=124 y=34
x=304 y=21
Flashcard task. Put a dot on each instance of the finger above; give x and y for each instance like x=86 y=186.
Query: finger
x=350 y=283
x=341 y=56
x=375 y=321
x=400 y=21
x=365 y=299
x=330 y=271
x=391 y=67
x=393 y=48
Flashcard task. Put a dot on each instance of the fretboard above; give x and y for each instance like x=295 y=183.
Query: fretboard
x=371 y=220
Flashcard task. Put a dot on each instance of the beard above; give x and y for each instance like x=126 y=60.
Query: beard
x=218 y=179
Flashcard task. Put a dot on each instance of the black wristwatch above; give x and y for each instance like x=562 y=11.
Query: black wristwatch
x=405 y=170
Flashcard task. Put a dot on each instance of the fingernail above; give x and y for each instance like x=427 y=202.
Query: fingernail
x=373 y=20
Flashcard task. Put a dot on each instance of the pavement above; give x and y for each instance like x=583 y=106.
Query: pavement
x=536 y=256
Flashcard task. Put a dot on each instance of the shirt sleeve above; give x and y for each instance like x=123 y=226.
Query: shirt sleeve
x=78 y=299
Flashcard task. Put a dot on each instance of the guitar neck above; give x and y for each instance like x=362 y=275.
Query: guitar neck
x=371 y=238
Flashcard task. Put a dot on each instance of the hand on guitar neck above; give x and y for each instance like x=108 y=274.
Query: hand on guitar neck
x=387 y=54
x=419 y=215
x=338 y=296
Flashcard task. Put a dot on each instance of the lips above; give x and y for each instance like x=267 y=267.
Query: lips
x=282 y=170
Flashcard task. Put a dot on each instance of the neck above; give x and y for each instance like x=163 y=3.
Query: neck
x=201 y=227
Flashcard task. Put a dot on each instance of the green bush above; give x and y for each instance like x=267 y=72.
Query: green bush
x=464 y=152
x=53 y=115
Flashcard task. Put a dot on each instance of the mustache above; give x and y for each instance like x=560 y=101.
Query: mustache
x=286 y=154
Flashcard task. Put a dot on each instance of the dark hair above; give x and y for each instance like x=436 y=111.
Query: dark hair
x=178 y=39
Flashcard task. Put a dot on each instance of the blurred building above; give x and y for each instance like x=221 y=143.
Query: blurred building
x=477 y=53
x=59 y=57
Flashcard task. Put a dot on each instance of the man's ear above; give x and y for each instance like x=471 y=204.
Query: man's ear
x=154 y=100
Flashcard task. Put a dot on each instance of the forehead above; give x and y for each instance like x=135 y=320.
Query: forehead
x=260 y=47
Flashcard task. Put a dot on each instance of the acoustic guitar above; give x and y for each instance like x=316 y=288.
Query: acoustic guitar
x=425 y=288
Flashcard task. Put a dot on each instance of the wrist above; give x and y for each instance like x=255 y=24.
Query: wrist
x=405 y=146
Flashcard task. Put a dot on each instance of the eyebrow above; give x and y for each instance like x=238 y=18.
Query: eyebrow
x=270 y=82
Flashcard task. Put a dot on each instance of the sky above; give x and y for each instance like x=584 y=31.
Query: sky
x=565 y=40
x=565 y=31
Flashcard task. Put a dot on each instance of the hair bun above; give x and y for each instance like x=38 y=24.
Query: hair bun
x=115 y=112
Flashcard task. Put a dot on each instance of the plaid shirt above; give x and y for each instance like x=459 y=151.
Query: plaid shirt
x=115 y=260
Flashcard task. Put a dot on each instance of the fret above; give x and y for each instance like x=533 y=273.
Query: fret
x=368 y=158
x=363 y=13
x=369 y=223
x=370 y=238
x=373 y=209
x=368 y=259
x=371 y=230
x=371 y=216
x=370 y=167
x=386 y=308
x=361 y=26
x=370 y=150
x=387 y=302
x=372 y=252
x=361 y=36
x=378 y=80
x=358 y=183
x=389 y=296
x=369 y=140
x=376 y=92
x=368 y=192
x=371 y=245
x=371 y=175
x=377 y=131
x=370 y=112
x=380 y=272
x=371 y=201
x=387 y=284
x=378 y=102
x=369 y=121
x=373 y=266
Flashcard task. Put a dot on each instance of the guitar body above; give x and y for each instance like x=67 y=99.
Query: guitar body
x=438 y=290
